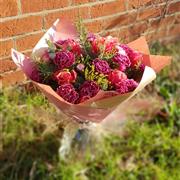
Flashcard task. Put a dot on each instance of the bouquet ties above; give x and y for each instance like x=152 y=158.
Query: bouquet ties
x=87 y=76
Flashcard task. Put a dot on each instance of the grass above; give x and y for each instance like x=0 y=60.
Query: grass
x=150 y=150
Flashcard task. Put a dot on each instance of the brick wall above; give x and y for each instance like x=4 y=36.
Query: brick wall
x=23 y=22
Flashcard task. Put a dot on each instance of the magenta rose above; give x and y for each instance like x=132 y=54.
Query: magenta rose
x=126 y=86
x=64 y=59
x=64 y=76
x=68 y=93
x=134 y=56
x=89 y=88
x=70 y=45
x=101 y=66
x=116 y=76
x=122 y=60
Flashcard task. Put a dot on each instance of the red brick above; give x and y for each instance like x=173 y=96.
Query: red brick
x=114 y=33
x=110 y=23
x=128 y=33
x=177 y=19
x=95 y=26
x=124 y=35
x=11 y=78
x=174 y=7
x=138 y=3
x=174 y=30
x=154 y=36
x=138 y=29
x=162 y=22
x=40 y=5
x=170 y=39
x=5 y=48
x=120 y=20
x=71 y=14
x=20 y=26
x=76 y=2
x=28 y=53
x=28 y=42
x=8 y=8
x=105 y=9
x=7 y=65
x=151 y=12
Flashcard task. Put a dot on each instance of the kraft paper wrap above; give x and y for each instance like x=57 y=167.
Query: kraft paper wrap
x=105 y=102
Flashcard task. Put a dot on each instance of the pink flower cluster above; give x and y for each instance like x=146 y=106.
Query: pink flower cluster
x=80 y=70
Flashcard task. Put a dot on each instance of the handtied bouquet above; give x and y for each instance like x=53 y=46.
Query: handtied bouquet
x=85 y=75
x=78 y=69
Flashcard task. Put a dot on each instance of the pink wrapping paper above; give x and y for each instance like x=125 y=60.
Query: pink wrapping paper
x=104 y=103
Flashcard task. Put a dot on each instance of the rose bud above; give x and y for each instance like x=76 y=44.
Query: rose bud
x=64 y=76
x=116 y=76
x=73 y=76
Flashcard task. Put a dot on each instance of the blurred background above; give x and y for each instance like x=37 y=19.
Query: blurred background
x=148 y=146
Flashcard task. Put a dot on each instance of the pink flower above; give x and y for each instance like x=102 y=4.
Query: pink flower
x=110 y=43
x=80 y=67
x=133 y=55
x=89 y=88
x=122 y=60
x=101 y=66
x=68 y=93
x=96 y=43
x=136 y=58
x=142 y=67
x=126 y=86
x=116 y=76
x=63 y=76
x=95 y=47
x=70 y=45
x=64 y=59
x=91 y=37
x=120 y=50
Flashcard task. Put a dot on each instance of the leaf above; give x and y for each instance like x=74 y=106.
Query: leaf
x=46 y=70
x=164 y=92
x=51 y=45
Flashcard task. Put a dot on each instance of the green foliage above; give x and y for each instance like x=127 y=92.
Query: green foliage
x=46 y=70
x=81 y=29
x=51 y=45
x=91 y=75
